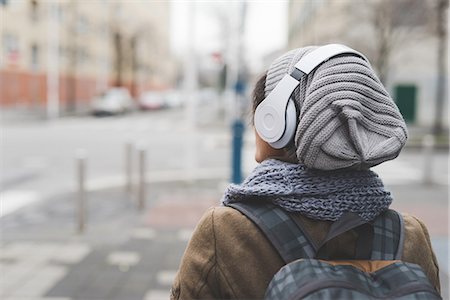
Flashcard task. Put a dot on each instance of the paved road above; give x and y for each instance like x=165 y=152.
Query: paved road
x=127 y=254
x=37 y=158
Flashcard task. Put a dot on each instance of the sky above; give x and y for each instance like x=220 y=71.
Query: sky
x=265 y=28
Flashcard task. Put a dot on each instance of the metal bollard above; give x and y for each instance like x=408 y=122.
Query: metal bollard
x=142 y=153
x=427 y=152
x=80 y=161
x=238 y=135
x=129 y=167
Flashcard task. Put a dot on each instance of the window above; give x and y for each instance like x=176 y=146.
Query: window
x=10 y=45
x=82 y=25
x=34 y=10
x=34 y=57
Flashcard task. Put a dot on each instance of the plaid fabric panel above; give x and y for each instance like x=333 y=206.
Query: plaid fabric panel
x=312 y=277
x=339 y=293
x=387 y=233
x=284 y=234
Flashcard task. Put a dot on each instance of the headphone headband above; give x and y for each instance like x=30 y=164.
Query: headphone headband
x=317 y=57
x=275 y=117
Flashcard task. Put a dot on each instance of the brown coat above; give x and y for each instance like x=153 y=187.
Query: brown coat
x=229 y=257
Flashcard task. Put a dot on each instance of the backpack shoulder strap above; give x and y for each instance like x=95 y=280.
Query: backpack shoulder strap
x=388 y=236
x=286 y=236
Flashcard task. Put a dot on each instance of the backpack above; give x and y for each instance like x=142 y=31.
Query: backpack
x=376 y=271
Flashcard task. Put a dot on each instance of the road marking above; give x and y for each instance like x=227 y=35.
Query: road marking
x=12 y=200
x=71 y=253
x=30 y=271
x=160 y=176
x=16 y=250
x=41 y=282
x=143 y=233
x=123 y=259
x=397 y=172
x=185 y=234
x=157 y=295
x=166 y=278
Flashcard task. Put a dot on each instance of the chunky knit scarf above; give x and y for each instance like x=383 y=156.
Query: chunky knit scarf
x=321 y=195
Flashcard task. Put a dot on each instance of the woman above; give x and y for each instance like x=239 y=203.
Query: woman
x=345 y=123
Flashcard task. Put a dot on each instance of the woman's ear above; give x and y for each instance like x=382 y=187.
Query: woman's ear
x=264 y=150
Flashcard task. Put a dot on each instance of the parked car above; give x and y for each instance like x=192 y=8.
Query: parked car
x=152 y=101
x=112 y=102
x=173 y=99
x=207 y=96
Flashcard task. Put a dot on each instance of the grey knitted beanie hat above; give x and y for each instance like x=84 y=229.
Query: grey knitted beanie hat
x=346 y=117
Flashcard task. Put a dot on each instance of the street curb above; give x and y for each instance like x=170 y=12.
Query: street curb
x=172 y=176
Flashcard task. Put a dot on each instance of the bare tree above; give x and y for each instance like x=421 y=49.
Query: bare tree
x=142 y=37
x=125 y=55
x=442 y=36
x=134 y=62
x=393 y=23
x=72 y=52
x=118 y=41
x=118 y=57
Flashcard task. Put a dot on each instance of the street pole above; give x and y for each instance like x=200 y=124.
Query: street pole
x=190 y=86
x=80 y=160
x=238 y=134
x=128 y=166
x=427 y=153
x=142 y=180
x=53 y=62
x=239 y=91
x=442 y=35
x=232 y=63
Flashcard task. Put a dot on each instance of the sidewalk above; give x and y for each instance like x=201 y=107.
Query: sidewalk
x=127 y=254
x=124 y=254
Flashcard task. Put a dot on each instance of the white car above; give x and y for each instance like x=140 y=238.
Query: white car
x=152 y=100
x=173 y=99
x=112 y=102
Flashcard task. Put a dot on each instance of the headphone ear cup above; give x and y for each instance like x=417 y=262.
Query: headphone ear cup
x=291 y=126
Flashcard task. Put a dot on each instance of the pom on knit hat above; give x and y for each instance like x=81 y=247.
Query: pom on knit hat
x=346 y=117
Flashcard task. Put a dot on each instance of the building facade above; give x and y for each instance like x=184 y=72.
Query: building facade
x=65 y=52
x=399 y=40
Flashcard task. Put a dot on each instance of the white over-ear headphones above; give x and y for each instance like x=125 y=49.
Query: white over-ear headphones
x=276 y=116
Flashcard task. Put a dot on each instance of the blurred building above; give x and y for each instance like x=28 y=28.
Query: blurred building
x=398 y=37
x=74 y=49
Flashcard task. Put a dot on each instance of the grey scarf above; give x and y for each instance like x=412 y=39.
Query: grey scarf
x=321 y=195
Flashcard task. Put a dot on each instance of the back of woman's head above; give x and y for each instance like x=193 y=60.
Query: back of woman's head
x=346 y=118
